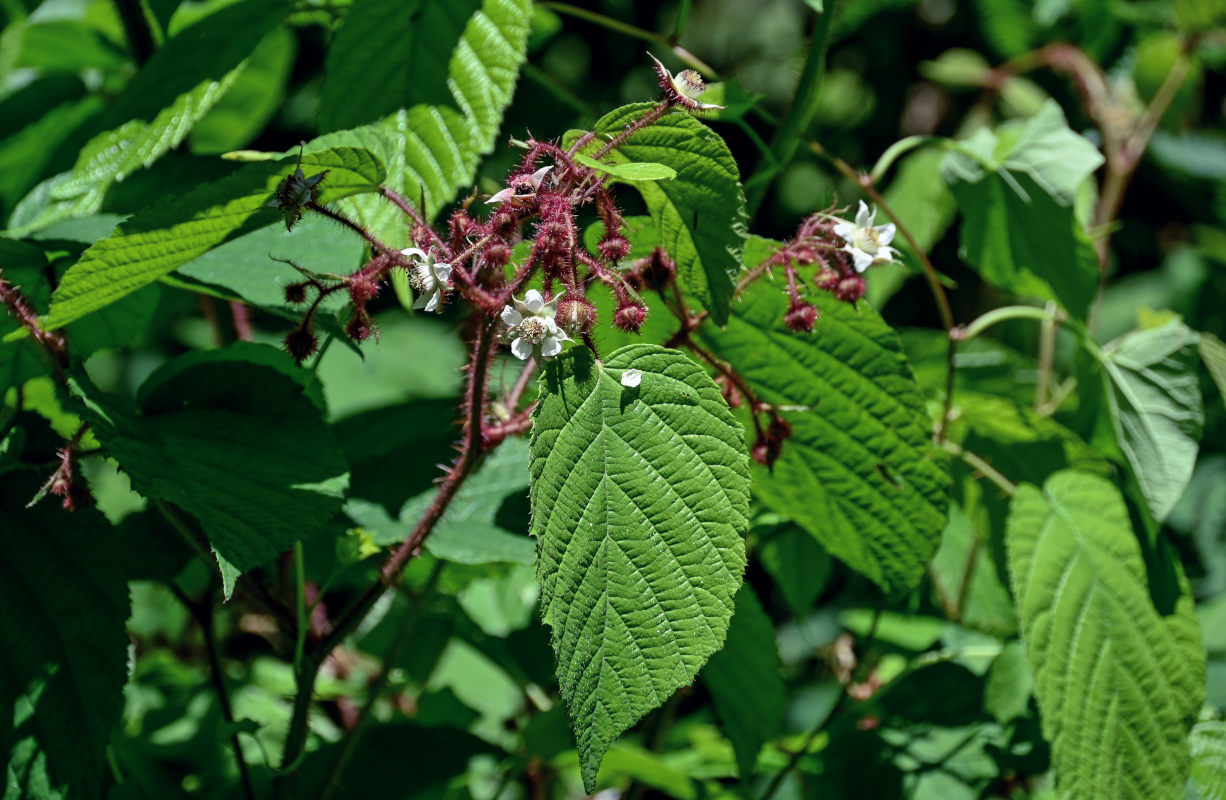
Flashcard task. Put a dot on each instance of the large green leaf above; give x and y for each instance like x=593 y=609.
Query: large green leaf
x=1118 y=684
x=746 y=684
x=700 y=214
x=1153 y=390
x=175 y=89
x=63 y=651
x=235 y=437
x=1015 y=188
x=451 y=79
x=640 y=497
x=161 y=239
x=858 y=471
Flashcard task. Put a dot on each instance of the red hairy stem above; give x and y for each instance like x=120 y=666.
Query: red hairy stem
x=733 y=377
x=242 y=320
x=21 y=310
x=472 y=451
x=651 y=117
x=417 y=216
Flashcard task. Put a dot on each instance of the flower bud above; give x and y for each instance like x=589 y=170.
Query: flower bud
x=850 y=289
x=657 y=269
x=296 y=292
x=359 y=328
x=801 y=317
x=614 y=247
x=300 y=343
x=826 y=278
x=630 y=317
x=361 y=289
x=576 y=315
x=497 y=254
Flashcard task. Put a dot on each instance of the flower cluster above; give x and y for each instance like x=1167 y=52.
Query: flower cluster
x=531 y=328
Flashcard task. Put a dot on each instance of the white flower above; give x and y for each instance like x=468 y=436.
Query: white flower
x=531 y=327
x=428 y=277
x=522 y=187
x=684 y=88
x=866 y=244
x=632 y=378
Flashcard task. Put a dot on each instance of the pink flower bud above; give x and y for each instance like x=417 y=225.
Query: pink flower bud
x=630 y=317
x=801 y=317
x=850 y=289
x=576 y=315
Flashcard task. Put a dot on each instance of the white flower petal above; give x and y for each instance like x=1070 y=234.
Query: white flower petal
x=510 y=317
x=845 y=231
x=863 y=218
x=435 y=300
x=421 y=302
x=413 y=252
x=885 y=234
x=538 y=176
x=442 y=272
x=860 y=259
x=521 y=349
x=632 y=378
x=551 y=347
x=501 y=197
x=533 y=301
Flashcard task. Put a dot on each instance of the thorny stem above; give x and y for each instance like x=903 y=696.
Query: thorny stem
x=649 y=118
x=471 y=454
x=20 y=309
x=414 y=214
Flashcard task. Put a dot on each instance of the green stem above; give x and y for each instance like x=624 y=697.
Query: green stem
x=997 y=315
x=632 y=30
x=979 y=463
x=683 y=16
x=300 y=604
x=1047 y=354
x=801 y=112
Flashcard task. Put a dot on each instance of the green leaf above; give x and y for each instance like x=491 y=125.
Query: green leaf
x=986 y=604
x=161 y=239
x=858 y=472
x=176 y=88
x=447 y=118
x=629 y=172
x=797 y=564
x=1154 y=394
x=640 y=499
x=700 y=214
x=1208 y=745
x=467 y=533
x=746 y=684
x=235 y=437
x=1213 y=353
x=254 y=97
x=63 y=650
x=1007 y=689
x=1015 y=188
x=1118 y=684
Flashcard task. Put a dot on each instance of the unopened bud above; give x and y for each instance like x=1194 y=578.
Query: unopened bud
x=300 y=343
x=801 y=317
x=497 y=254
x=850 y=289
x=826 y=278
x=362 y=289
x=614 y=247
x=359 y=328
x=630 y=317
x=296 y=292
x=576 y=315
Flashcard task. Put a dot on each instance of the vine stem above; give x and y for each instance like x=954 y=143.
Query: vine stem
x=979 y=463
x=612 y=24
x=472 y=451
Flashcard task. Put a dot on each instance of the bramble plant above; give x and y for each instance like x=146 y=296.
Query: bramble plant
x=575 y=485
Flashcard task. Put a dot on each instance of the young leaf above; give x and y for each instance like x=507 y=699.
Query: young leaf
x=1019 y=229
x=1154 y=394
x=700 y=214
x=858 y=471
x=451 y=110
x=1118 y=684
x=161 y=239
x=745 y=682
x=63 y=651
x=629 y=172
x=1208 y=745
x=175 y=89
x=640 y=497
x=237 y=441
